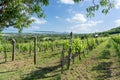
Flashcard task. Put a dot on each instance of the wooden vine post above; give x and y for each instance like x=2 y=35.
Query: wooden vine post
x=5 y=55
x=35 y=48
x=97 y=42
x=13 y=49
x=70 y=51
x=52 y=45
x=79 y=56
x=30 y=49
x=62 y=59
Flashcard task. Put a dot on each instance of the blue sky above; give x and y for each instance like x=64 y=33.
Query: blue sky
x=66 y=16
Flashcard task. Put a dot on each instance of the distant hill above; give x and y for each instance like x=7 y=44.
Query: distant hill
x=109 y=32
x=114 y=30
x=50 y=32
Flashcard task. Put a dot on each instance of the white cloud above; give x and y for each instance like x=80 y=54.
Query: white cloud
x=57 y=17
x=39 y=21
x=70 y=10
x=84 y=27
x=67 y=1
x=117 y=22
x=117 y=4
x=77 y=18
x=35 y=27
x=31 y=29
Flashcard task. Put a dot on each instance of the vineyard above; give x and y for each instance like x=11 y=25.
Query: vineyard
x=68 y=58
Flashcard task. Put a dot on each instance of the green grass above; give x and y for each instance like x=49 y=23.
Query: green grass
x=23 y=66
x=107 y=64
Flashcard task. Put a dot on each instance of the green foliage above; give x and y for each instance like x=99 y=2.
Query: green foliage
x=1 y=48
x=79 y=45
x=105 y=54
x=66 y=45
x=17 y=13
x=105 y=4
x=116 y=39
x=76 y=47
x=0 y=36
x=23 y=47
x=7 y=47
x=108 y=45
x=76 y=1
x=90 y=10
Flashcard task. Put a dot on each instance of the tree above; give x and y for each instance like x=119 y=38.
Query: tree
x=17 y=13
x=105 y=4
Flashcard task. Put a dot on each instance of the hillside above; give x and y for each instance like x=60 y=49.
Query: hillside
x=114 y=30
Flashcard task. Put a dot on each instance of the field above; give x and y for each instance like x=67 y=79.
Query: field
x=68 y=58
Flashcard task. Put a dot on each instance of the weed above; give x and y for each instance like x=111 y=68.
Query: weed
x=105 y=54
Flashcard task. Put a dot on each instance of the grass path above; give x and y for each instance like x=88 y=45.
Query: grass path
x=102 y=64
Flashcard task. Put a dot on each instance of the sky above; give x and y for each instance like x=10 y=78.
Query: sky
x=67 y=16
